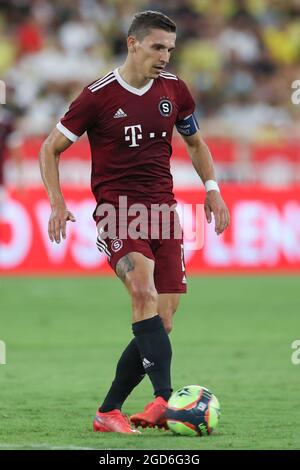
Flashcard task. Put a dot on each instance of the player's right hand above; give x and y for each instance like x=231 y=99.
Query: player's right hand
x=57 y=222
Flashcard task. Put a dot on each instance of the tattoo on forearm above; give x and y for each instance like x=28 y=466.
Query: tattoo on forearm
x=124 y=266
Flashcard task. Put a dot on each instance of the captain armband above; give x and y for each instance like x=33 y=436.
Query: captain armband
x=188 y=125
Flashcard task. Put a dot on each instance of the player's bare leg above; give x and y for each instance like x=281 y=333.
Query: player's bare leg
x=136 y=271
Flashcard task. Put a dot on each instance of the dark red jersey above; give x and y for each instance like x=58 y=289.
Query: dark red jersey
x=130 y=131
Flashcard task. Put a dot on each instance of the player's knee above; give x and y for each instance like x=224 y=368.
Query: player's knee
x=143 y=295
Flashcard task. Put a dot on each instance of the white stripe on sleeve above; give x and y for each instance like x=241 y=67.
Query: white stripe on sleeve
x=66 y=132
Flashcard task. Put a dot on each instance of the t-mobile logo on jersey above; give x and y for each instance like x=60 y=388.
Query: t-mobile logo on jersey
x=133 y=137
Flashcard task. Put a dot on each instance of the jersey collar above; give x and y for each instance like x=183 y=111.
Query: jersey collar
x=132 y=89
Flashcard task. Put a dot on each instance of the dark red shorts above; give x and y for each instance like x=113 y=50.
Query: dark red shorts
x=166 y=252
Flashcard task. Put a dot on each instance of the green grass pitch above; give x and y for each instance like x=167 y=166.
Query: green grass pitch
x=232 y=334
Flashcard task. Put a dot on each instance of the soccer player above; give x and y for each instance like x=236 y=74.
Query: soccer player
x=129 y=115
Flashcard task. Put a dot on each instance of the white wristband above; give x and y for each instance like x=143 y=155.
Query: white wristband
x=211 y=185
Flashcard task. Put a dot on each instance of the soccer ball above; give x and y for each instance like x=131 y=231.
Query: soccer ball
x=193 y=411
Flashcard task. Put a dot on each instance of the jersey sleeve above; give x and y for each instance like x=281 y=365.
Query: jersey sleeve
x=80 y=116
x=186 y=102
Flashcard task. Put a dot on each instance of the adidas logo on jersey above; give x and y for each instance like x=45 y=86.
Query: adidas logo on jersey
x=147 y=363
x=120 y=114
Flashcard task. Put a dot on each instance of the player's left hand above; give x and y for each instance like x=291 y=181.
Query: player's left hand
x=214 y=204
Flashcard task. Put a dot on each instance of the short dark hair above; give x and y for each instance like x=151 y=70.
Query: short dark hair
x=143 y=21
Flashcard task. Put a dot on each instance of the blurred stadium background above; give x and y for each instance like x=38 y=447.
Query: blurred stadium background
x=240 y=59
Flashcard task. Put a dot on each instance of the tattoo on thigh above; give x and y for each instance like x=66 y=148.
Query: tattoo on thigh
x=124 y=266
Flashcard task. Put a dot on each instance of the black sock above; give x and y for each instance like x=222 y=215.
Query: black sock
x=129 y=373
x=155 y=349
